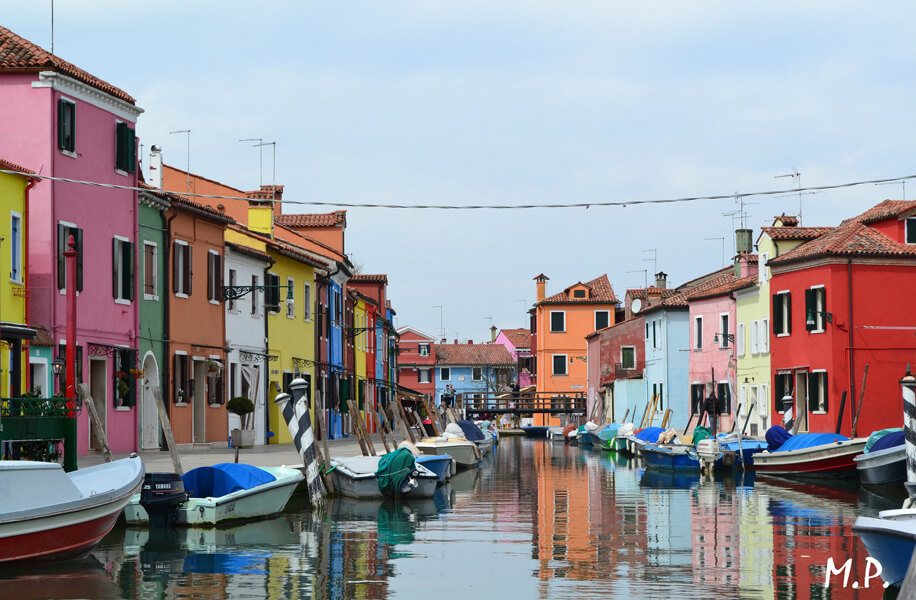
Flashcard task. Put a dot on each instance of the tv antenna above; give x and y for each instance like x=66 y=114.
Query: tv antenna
x=260 y=148
x=273 y=185
x=188 y=169
x=654 y=260
x=441 y=326
x=645 y=275
x=797 y=177
x=902 y=182
x=722 y=239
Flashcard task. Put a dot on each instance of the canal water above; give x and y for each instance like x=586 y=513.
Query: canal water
x=538 y=520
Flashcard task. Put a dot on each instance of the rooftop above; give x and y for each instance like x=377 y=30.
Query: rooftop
x=601 y=293
x=472 y=354
x=338 y=217
x=520 y=338
x=852 y=238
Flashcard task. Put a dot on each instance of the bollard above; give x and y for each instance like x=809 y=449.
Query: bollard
x=296 y=414
x=908 y=387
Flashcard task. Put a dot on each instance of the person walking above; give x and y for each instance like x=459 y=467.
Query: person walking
x=709 y=409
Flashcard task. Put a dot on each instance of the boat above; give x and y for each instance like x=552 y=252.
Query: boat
x=465 y=454
x=677 y=457
x=812 y=455
x=884 y=462
x=440 y=464
x=605 y=439
x=55 y=514
x=223 y=492
x=890 y=540
x=359 y=477
x=472 y=433
x=535 y=431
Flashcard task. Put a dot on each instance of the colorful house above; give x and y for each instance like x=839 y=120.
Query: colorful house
x=472 y=370
x=518 y=343
x=842 y=303
x=417 y=361
x=78 y=127
x=617 y=383
x=372 y=289
x=562 y=322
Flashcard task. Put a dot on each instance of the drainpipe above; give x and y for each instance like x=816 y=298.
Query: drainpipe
x=270 y=263
x=25 y=279
x=852 y=361
x=167 y=330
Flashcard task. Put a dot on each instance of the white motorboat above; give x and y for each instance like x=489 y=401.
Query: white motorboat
x=466 y=454
x=48 y=513
x=356 y=477
x=225 y=492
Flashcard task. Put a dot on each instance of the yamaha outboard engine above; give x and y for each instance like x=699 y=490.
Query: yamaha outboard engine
x=160 y=496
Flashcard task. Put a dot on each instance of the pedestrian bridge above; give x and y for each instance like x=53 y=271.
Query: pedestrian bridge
x=551 y=403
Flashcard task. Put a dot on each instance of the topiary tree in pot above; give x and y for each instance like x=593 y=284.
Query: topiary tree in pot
x=242 y=406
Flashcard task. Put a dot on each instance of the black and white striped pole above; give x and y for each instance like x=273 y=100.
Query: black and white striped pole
x=908 y=387
x=295 y=411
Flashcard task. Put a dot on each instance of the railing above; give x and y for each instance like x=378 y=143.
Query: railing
x=33 y=426
x=515 y=402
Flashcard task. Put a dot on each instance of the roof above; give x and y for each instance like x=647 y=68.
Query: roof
x=338 y=217
x=18 y=55
x=405 y=328
x=885 y=210
x=472 y=354
x=252 y=252
x=184 y=202
x=795 y=233
x=655 y=291
x=520 y=338
x=7 y=165
x=369 y=278
x=720 y=286
x=43 y=338
x=851 y=238
x=601 y=293
x=787 y=220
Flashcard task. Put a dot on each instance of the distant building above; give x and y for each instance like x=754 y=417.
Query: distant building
x=417 y=360
x=518 y=343
x=472 y=370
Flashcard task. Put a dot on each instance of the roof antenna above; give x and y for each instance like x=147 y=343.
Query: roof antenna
x=903 y=183
x=52 y=26
x=260 y=148
x=654 y=260
x=797 y=177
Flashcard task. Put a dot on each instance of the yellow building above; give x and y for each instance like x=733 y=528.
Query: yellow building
x=14 y=292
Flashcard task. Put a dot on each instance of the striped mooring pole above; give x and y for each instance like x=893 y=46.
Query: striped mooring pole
x=908 y=387
x=296 y=414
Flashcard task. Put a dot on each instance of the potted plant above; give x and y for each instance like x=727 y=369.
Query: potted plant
x=242 y=406
x=214 y=366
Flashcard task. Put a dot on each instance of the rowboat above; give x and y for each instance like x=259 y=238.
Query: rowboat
x=890 y=539
x=683 y=457
x=440 y=464
x=357 y=477
x=885 y=462
x=224 y=492
x=812 y=455
x=47 y=513
x=465 y=454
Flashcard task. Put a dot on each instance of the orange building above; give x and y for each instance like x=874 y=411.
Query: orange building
x=562 y=321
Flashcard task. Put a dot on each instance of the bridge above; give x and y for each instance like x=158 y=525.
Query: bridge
x=551 y=403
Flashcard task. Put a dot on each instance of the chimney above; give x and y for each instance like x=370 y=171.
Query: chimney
x=443 y=341
x=492 y=333
x=155 y=166
x=743 y=241
x=743 y=266
x=541 y=286
x=470 y=341
x=661 y=280
x=455 y=342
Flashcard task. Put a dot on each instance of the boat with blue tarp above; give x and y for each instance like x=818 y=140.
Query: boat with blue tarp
x=884 y=460
x=809 y=454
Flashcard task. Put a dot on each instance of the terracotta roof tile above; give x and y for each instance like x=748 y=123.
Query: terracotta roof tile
x=795 y=233
x=182 y=201
x=17 y=54
x=851 y=238
x=338 y=217
x=267 y=192
x=720 y=285
x=787 y=220
x=472 y=354
x=370 y=278
x=7 y=165
x=520 y=338
x=601 y=293
x=643 y=293
x=885 y=210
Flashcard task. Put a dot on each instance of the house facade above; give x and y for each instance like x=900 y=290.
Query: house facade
x=667 y=344
x=417 y=360
x=472 y=370
x=79 y=127
x=518 y=343
x=617 y=365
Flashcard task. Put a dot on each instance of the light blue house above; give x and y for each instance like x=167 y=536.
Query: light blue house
x=667 y=343
x=472 y=370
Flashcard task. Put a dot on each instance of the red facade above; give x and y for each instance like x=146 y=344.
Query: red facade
x=612 y=340
x=417 y=361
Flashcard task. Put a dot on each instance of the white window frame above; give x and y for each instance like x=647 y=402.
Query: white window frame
x=291 y=302
x=427 y=373
x=606 y=312
x=480 y=370
x=820 y=379
x=16 y=248
x=820 y=321
x=442 y=377
x=216 y=273
x=763 y=346
x=553 y=364
x=755 y=337
x=306 y=301
x=550 y=324
x=622 y=365
x=119 y=263
x=698 y=332
x=180 y=263
x=723 y=333
x=155 y=274
x=763 y=405
x=751 y=399
x=784 y=326
x=70 y=153
x=739 y=339
x=762 y=275
x=421 y=347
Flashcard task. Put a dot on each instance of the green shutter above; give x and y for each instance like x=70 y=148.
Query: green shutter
x=826 y=395
x=188 y=273
x=779 y=391
x=115 y=281
x=121 y=146
x=810 y=306
x=61 y=261
x=79 y=259
x=777 y=314
x=61 y=119
x=131 y=150
x=129 y=264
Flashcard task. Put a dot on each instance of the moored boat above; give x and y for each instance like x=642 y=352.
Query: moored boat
x=883 y=463
x=473 y=433
x=359 y=477
x=440 y=464
x=466 y=454
x=890 y=539
x=535 y=431
x=677 y=457
x=812 y=455
x=53 y=514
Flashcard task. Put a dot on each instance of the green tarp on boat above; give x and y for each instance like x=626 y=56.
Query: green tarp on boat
x=700 y=433
x=393 y=470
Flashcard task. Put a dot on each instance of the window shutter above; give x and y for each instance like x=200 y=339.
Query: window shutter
x=826 y=395
x=61 y=262
x=176 y=377
x=763 y=408
x=788 y=313
x=764 y=343
x=210 y=276
x=777 y=313
x=176 y=263
x=754 y=334
x=131 y=150
x=810 y=305
x=739 y=339
x=115 y=280
x=130 y=271
x=61 y=125
x=779 y=392
x=188 y=274
x=121 y=146
x=79 y=259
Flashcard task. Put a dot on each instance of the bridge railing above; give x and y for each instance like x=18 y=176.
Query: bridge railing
x=33 y=428
x=515 y=402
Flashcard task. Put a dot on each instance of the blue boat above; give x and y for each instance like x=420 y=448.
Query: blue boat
x=889 y=539
x=745 y=451
x=538 y=431
x=672 y=458
x=440 y=464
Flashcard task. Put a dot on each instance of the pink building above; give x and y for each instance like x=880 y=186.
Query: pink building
x=518 y=343
x=67 y=123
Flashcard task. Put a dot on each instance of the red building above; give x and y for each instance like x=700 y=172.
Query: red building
x=417 y=361
x=840 y=304
x=617 y=363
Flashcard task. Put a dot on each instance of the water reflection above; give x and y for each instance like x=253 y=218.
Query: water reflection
x=537 y=520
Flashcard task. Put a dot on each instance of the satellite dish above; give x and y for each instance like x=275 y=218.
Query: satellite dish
x=635 y=305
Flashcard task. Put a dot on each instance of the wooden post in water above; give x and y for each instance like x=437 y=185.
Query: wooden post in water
x=429 y=413
x=381 y=428
x=326 y=459
x=405 y=427
x=167 y=430
x=356 y=429
x=361 y=425
x=83 y=390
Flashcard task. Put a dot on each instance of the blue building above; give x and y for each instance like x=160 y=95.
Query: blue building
x=472 y=369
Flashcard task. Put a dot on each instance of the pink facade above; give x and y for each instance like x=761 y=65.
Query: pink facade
x=712 y=363
x=107 y=312
x=518 y=343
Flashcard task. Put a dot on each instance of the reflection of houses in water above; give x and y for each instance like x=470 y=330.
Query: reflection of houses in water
x=756 y=542
x=716 y=556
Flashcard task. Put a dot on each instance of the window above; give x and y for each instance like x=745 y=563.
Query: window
x=698 y=333
x=291 y=301
x=424 y=349
x=762 y=268
x=214 y=277
x=66 y=125
x=338 y=311
x=230 y=302
x=181 y=269
x=445 y=374
x=215 y=386
x=559 y=364
x=272 y=293
x=782 y=313
x=911 y=230
x=782 y=389
x=64 y=231
x=742 y=397
x=628 y=357
x=723 y=331
x=697 y=392
x=150 y=271
x=16 y=247
x=307 y=302
x=755 y=336
x=125 y=148
x=751 y=398
x=254 y=295
x=62 y=354
x=602 y=319
x=423 y=375
x=182 y=388
x=125 y=384
x=817 y=392
x=763 y=344
x=723 y=399
x=815 y=305
x=578 y=293
x=763 y=407
x=739 y=339
x=647 y=330
x=557 y=321
x=476 y=374
x=654 y=336
x=122 y=263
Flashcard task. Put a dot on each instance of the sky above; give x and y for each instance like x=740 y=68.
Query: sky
x=515 y=102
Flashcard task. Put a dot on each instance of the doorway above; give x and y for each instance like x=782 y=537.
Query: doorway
x=98 y=388
x=149 y=437
x=38 y=377
x=801 y=400
x=199 y=401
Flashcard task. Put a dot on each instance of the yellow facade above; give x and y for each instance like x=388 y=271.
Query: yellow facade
x=14 y=265
x=361 y=348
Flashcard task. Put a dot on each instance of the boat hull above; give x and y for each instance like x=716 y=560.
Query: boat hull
x=364 y=486
x=534 y=431
x=440 y=464
x=884 y=467
x=679 y=458
x=465 y=454
x=890 y=542
x=826 y=460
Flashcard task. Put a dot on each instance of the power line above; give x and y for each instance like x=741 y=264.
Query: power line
x=619 y=203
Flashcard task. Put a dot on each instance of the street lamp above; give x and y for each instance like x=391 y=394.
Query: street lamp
x=234 y=292
x=812 y=314
x=57 y=366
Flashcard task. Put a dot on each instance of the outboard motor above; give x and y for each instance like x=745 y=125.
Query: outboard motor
x=160 y=496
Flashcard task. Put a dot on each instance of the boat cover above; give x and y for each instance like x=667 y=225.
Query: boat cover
x=810 y=440
x=393 y=470
x=776 y=436
x=570 y=427
x=590 y=427
x=889 y=440
x=649 y=434
x=471 y=432
x=699 y=434
x=878 y=435
x=609 y=432
x=222 y=479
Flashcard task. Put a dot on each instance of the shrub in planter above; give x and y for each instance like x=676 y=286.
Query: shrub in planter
x=242 y=406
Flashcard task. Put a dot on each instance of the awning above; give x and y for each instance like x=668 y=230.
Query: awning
x=17 y=331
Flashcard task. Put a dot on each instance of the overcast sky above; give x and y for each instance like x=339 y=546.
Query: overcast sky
x=534 y=101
